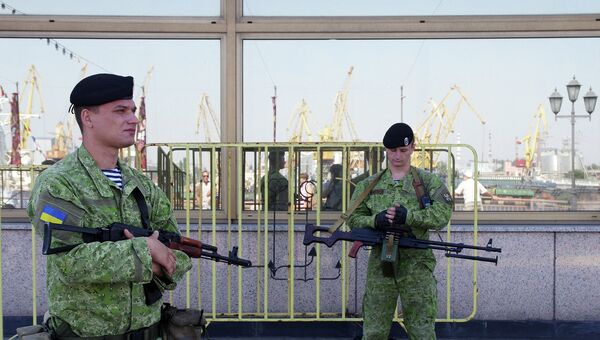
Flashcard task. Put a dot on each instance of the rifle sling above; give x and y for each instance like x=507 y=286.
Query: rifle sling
x=151 y=291
x=418 y=185
x=141 y=203
x=356 y=203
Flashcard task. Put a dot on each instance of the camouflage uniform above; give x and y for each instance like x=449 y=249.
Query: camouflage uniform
x=414 y=280
x=278 y=191
x=97 y=288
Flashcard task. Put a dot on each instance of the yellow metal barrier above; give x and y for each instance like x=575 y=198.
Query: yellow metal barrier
x=236 y=171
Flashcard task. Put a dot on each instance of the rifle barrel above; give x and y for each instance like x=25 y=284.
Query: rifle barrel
x=475 y=258
x=458 y=246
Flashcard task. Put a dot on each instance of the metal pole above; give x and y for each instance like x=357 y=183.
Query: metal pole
x=573 y=145
x=401 y=104
x=274 y=98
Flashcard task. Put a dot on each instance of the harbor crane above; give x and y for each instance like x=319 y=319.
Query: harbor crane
x=31 y=88
x=537 y=131
x=334 y=132
x=300 y=131
x=59 y=143
x=439 y=123
x=206 y=120
x=140 y=134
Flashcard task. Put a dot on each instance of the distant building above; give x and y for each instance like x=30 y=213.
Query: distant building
x=558 y=162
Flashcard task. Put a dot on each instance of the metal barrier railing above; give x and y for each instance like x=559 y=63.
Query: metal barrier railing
x=258 y=211
x=242 y=213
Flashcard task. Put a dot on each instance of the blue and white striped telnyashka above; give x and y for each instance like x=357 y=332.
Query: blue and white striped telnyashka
x=115 y=176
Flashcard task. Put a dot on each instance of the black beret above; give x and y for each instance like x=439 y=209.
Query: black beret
x=397 y=135
x=101 y=88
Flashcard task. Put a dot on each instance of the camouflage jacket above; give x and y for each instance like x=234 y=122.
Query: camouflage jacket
x=97 y=288
x=278 y=191
x=387 y=193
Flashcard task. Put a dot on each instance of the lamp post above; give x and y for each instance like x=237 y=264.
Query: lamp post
x=590 y=103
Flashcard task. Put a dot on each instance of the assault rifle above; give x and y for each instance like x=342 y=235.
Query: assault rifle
x=398 y=237
x=115 y=232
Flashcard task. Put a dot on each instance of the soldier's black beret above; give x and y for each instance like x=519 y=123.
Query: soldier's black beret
x=398 y=135
x=101 y=88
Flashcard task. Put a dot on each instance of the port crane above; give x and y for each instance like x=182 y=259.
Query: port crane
x=140 y=134
x=439 y=123
x=206 y=120
x=31 y=88
x=300 y=131
x=334 y=132
x=59 y=143
x=537 y=131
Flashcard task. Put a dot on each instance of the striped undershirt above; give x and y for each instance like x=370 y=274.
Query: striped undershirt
x=115 y=176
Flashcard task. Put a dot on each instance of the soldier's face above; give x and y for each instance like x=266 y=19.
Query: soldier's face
x=114 y=124
x=400 y=156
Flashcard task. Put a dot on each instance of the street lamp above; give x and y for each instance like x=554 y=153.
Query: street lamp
x=590 y=103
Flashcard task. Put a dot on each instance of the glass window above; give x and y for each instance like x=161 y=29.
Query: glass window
x=179 y=81
x=491 y=94
x=415 y=7
x=113 y=7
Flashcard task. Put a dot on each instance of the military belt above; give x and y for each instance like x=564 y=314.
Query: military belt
x=149 y=333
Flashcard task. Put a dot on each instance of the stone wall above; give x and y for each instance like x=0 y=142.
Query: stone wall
x=543 y=273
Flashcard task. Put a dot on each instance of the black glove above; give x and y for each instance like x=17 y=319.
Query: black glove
x=400 y=217
x=382 y=222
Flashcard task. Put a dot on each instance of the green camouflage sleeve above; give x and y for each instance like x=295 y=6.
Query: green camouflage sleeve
x=161 y=213
x=438 y=214
x=362 y=217
x=106 y=262
x=162 y=218
x=183 y=265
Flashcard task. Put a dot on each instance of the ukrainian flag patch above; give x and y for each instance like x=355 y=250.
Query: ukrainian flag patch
x=52 y=214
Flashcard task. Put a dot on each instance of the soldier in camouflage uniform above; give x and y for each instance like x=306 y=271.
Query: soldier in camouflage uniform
x=278 y=184
x=96 y=289
x=393 y=201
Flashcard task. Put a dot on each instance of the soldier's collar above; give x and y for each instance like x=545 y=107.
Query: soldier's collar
x=101 y=182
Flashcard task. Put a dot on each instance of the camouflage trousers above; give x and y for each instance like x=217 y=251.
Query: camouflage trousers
x=417 y=288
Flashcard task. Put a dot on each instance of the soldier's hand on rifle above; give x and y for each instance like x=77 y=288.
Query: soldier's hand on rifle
x=400 y=214
x=383 y=219
x=161 y=255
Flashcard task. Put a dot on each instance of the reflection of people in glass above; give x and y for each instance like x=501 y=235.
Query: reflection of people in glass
x=466 y=189
x=307 y=191
x=278 y=184
x=203 y=193
x=332 y=190
x=371 y=158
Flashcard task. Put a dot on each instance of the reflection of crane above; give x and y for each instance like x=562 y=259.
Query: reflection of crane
x=31 y=85
x=531 y=139
x=299 y=124
x=140 y=134
x=206 y=118
x=59 y=143
x=439 y=123
x=83 y=71
x=335 y=130
x=4 y=101
x=4 y=110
